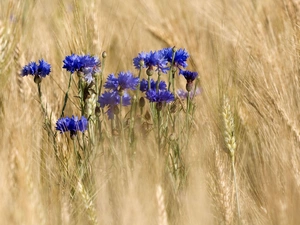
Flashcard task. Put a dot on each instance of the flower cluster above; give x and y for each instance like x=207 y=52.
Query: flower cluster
x=122 y=82
x=72 y=124
x=159 y=96
x=144 y=85
x=112 y=100
x=88 y=65
x=117 y=86
x=41 y=70
x=161 y=58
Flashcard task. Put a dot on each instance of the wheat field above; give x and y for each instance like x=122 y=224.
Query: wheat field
x=241 y=158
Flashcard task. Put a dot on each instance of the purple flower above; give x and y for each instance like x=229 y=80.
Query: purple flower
x=88 y=65
x=183 y=94
x=152 y=59
x=188 y=75
x=43 y=69
x=72 y=124
x=112 y=99
x=158 y=60
x=40 y=70
x=144 y=85
x=72 y=63
x=159 y=96
x=123 y=82
x=141 y=57
x=180 y=58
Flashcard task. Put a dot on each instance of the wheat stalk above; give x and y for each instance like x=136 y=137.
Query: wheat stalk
x=230 y=141
x=224 y=190
x=88 y=202
x=162 y=213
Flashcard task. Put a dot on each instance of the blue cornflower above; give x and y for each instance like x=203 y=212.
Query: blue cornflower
x=40 y=70
x=144 y=85
x=72 y=124
x=123 y=82
x=159 y=96
x=189 y=75
x=151 y=59
x=158 y=60
x=140 y=58
x=43 y=69
x=88 y=65
x=72 y=63
x=180 y=58
x=112 y=99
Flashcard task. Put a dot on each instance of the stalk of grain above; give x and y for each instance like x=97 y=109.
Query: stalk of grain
x=162 y=213
x=230 y=142
x=88 y=203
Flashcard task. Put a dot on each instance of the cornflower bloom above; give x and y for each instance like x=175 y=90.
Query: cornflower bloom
x=41 y=70
x=139 y=61
x=152 y=60
x=144 y=85
x=112 y=100
x=159 y=96
x=180 y=58
x=190 y=77
x=124 y=81
x=72 y=124
x=88 y=65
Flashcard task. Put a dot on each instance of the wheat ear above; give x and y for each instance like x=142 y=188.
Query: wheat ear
x=88 y=203
x=162 y=213
x=231 y=144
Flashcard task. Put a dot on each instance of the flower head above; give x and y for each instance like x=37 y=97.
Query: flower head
x=158 y=60
x=151 y=59
x=72 y=63
x=88 y=65
x=188 y=75
x=140 y=58
x=180 y=58
x=40 y=70
x=112 y=99
x=144 y=85
x=159 y=96
x=43 y=69
x=124 y=81
x=72 y=124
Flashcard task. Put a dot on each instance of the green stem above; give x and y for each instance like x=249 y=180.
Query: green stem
x=132 y=112
x=173 y=82
x=171 y=72
x=158 y=81
x=40 y=98
x=101 y=74
x=159 y=130
x=149 y=84
x=187 y=110
x=66 y=96
x=121 y=118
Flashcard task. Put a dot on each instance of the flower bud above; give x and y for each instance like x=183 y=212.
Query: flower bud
x=159 y=106
x=150 y=71
x=142 y=102
x=37 y=79
x=189 y=86
x=97 y=111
